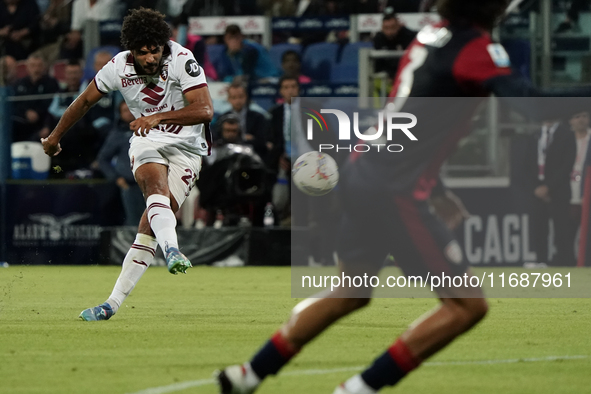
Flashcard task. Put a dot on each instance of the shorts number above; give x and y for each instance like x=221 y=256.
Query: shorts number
x=189 y=179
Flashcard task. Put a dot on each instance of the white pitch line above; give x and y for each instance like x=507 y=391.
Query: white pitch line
x=205 y=382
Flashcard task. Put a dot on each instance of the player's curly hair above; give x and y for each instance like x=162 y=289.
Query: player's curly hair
x=142 y=27
x=484 y=13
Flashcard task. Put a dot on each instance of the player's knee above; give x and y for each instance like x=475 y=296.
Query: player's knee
x=468 y=312
x=479 y=309
x=474 y=311
x=353 y=304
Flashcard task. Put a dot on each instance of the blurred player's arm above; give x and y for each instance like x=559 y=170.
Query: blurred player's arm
x=447 y=205
x=75 y=112
x=484 y=67
x=539 y=107
x=199 y=110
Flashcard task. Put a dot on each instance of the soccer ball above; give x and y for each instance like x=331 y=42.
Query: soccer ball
x=315 y=173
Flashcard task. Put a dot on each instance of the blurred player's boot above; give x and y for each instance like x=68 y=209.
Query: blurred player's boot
x=237 y=379
x=341 y=390
x=355 y=385
x=101 y=312
x=176 y=261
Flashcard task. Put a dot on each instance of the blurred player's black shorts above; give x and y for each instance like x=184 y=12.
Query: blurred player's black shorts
x=377 y=222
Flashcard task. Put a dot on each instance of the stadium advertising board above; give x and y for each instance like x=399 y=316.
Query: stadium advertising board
x=59 y=223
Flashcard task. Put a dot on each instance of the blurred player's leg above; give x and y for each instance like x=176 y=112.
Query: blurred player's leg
x=309 y=318
x=424 y=338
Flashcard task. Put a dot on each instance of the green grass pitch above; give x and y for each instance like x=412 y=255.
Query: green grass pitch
x=176 y=329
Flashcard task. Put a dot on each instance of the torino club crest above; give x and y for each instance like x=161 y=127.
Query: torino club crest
x=164 y=72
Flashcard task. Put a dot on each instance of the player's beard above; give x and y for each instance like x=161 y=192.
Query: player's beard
x=142 y=71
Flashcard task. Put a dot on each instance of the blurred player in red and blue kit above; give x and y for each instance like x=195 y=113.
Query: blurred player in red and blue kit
x=456 y=58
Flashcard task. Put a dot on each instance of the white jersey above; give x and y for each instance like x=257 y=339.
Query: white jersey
x=149 y=94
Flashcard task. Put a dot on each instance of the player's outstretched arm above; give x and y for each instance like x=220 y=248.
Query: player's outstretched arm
x=199 y=110
x=76 y=110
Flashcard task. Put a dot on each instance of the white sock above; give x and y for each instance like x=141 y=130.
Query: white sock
x=250 y=378
x=357 y=385
x=162 y=221
x=136 y=262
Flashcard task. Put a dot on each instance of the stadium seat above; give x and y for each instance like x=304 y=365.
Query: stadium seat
x=58 y=70
x=318 y=60
x=276 y=51
x=214 y=51
x=89 y=72
x=344 y=73
x=350 y=52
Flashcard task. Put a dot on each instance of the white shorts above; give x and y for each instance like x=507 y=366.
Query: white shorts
x=183 y=164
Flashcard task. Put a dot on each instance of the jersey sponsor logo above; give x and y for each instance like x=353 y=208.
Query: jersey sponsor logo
x=182 y=54
x=164 y=72
x=125 y=82
x=157 y=109
x=192 y=68
x=152 y=91
x=499 y=56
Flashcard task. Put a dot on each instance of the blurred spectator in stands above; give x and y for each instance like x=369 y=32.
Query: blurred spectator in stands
x=291 y=63
x=18 y=27
x=102 y=115
x=82 y=140
x=113 y=161
x=401 y=6
x=394 y=36
x=219 y=8
x=243 y=57
x=427 y=5
x=8 y=73
x=278 y=8
x=83 y=11
x=554 y=155
x=253 y=125
x=198 y=46
x=279 y=144
x=294 y=207
x=365 y=6
x=55 y=23
x=280 y=147
x=572 y=16
x=29 y=116
x=158 y=5
x=59 y=104
x=230 y=130
x=233 y=179
x=579 y=124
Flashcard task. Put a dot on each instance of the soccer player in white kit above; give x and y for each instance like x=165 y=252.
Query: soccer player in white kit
x=166 y=91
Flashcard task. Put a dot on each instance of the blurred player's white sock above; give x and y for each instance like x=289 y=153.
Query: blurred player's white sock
x=162 y=221
x=136 y=262
x=356 y=385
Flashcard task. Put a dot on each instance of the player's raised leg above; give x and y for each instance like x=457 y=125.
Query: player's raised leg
x=308 y=319
x=160 y=207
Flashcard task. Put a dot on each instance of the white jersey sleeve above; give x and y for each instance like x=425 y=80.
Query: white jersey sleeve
x=188 y=72
x=106 y=79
